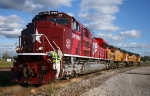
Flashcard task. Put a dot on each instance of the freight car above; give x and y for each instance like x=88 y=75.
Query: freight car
x=55 y=45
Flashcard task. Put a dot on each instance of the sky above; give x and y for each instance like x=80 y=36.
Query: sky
x=122 y=23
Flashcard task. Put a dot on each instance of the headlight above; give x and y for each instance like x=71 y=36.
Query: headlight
x=40 y=48
x=17 y=48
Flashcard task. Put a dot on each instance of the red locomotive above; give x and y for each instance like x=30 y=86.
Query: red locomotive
x=53 y=31
x=55 y=45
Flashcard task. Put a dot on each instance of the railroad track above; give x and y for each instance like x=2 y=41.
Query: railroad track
x=5 y=70
x=62 y=85
x=5 y=67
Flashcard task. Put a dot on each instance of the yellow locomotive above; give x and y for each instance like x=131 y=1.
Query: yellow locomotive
x=120 y=57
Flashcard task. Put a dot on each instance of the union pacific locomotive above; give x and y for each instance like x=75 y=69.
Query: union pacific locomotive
x=80 y=52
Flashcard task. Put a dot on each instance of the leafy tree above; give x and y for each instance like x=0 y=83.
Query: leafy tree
x=145 y=58
x=6 y=56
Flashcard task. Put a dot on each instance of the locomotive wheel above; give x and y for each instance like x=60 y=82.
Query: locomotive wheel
x=77 y=75
x=55 y=80
x=67 y=77
x=117 y=65
x=139 y=63
x=109 y=66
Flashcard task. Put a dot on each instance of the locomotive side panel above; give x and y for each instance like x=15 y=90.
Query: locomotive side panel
x=72 y=42
x=87 y=42
x=103 y=48
x=95 y=49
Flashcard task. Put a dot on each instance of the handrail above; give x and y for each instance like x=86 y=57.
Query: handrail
x=46 y=39
x=49 y=42
x=56 y=44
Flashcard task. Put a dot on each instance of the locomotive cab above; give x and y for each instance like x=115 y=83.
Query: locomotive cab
x=55 y=17
x=46 y=33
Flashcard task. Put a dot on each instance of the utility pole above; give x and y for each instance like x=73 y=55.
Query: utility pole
x=11 y=56
x=6 y=56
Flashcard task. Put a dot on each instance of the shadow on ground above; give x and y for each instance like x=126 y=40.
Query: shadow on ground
x=5 y=79
x=138 y=73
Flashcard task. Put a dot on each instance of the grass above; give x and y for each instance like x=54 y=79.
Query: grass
x=5 y=64
x=51 y=90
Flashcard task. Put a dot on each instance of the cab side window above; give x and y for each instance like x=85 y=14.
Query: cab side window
x=75 y=25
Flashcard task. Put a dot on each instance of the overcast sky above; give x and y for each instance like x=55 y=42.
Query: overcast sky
x=122 y=23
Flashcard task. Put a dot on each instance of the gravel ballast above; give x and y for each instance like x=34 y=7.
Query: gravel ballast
x=131 y=83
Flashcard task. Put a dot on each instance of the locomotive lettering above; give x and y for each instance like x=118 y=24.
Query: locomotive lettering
x=76 y=36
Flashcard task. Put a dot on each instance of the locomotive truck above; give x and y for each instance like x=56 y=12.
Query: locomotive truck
x=50 y=32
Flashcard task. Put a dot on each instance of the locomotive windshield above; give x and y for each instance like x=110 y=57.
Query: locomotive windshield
x=60 y=20
x=39 y=18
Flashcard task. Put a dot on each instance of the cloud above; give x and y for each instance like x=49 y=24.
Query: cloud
x=12 y=21
x=145 y=53
x=11 y=26
x=141 y=49
x=111 y=37
x=131 y=33
x=10 y=33
x=99 y=14
x=8 y=45
x=25 y=5
x=121 y=36
x=70 y=14
x=54 y=3
x=133 y=45
x=33 y=6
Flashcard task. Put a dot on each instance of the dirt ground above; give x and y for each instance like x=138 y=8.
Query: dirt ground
x=72 y=87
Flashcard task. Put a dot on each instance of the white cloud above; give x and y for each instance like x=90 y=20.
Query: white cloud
x=54 y=3
x=8 y=45
x=11 y=26
x=33 y=6
x=13 y=33
x=70 y=14
x=99 y=14
x=12 y=21
x=131 y=33
x=133 y=45
x=111 y=37
x=25 y=5
x=136 y=48
x=121 y=36
x=145 y=53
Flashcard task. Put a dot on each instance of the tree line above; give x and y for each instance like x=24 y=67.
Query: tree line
x=145 y=58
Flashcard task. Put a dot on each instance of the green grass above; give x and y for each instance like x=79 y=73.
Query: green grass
x=5 y=64
x=51 y=90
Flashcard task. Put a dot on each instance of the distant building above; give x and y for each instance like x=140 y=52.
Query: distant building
x=8 y=60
